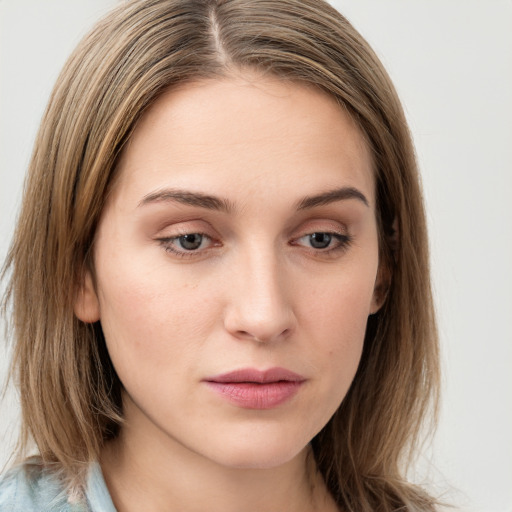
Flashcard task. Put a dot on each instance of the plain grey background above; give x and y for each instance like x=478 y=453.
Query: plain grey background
x=451 y=61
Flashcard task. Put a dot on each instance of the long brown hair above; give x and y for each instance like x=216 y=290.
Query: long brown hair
x=70 y=394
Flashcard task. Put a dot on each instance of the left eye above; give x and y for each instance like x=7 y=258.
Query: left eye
x=323 y=240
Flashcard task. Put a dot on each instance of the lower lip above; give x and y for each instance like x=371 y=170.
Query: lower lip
x=251 y=395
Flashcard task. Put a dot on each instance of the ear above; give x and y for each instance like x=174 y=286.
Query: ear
x=384 y=273
x=87 y=306
x=380 y=291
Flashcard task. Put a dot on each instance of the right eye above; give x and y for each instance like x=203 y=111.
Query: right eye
x=187 y=244
x=190 y=242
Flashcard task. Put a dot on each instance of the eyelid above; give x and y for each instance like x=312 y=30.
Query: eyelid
x=343 y=243
x=337 y=230
x=171 y=232
x=168 y=244
x=320 y=225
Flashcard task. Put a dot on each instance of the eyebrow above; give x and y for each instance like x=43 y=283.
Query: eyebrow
x=216 y=203
x=331 y=196
x=187 y=198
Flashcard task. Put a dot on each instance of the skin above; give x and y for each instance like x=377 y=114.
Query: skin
x=255 y=292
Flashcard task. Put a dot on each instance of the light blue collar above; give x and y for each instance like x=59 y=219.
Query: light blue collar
x=96 y=491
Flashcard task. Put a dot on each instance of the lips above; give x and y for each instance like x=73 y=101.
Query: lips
x=254 y=389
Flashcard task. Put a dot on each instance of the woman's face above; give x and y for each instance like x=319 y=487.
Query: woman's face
x=236 y=262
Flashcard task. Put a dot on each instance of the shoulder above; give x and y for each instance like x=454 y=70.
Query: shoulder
x=32 y=488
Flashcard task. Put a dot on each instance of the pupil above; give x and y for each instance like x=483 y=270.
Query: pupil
x=191 y=242
x=320 y=240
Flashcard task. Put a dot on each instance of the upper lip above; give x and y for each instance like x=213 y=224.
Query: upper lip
x=258 y=376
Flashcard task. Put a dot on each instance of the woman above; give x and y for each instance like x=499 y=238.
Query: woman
x=220 y=282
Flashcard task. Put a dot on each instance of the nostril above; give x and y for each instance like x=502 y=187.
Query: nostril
x=248 y=335
x=263 y=338
x=261 y=317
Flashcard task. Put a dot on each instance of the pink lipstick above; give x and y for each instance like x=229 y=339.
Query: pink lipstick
x=254 y=389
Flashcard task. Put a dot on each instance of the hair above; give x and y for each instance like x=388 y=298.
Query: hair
x=70 y=393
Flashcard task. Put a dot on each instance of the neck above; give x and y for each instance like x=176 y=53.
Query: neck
x=155 y=474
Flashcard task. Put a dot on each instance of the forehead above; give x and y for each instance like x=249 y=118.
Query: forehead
x=245 y=130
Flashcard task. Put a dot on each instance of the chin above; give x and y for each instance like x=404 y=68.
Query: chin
x=258 y=454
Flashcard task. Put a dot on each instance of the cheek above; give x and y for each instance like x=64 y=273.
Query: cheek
x=335 y=315
x=341 y=337
x=151 y=318
x=341 y=302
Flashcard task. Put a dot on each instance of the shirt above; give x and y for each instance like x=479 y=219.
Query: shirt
x=30 y=488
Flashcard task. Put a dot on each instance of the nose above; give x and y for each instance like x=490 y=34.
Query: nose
x=259 y=306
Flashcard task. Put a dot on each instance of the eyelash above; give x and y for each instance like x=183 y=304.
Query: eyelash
x=167 y=244
x=343 y=243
